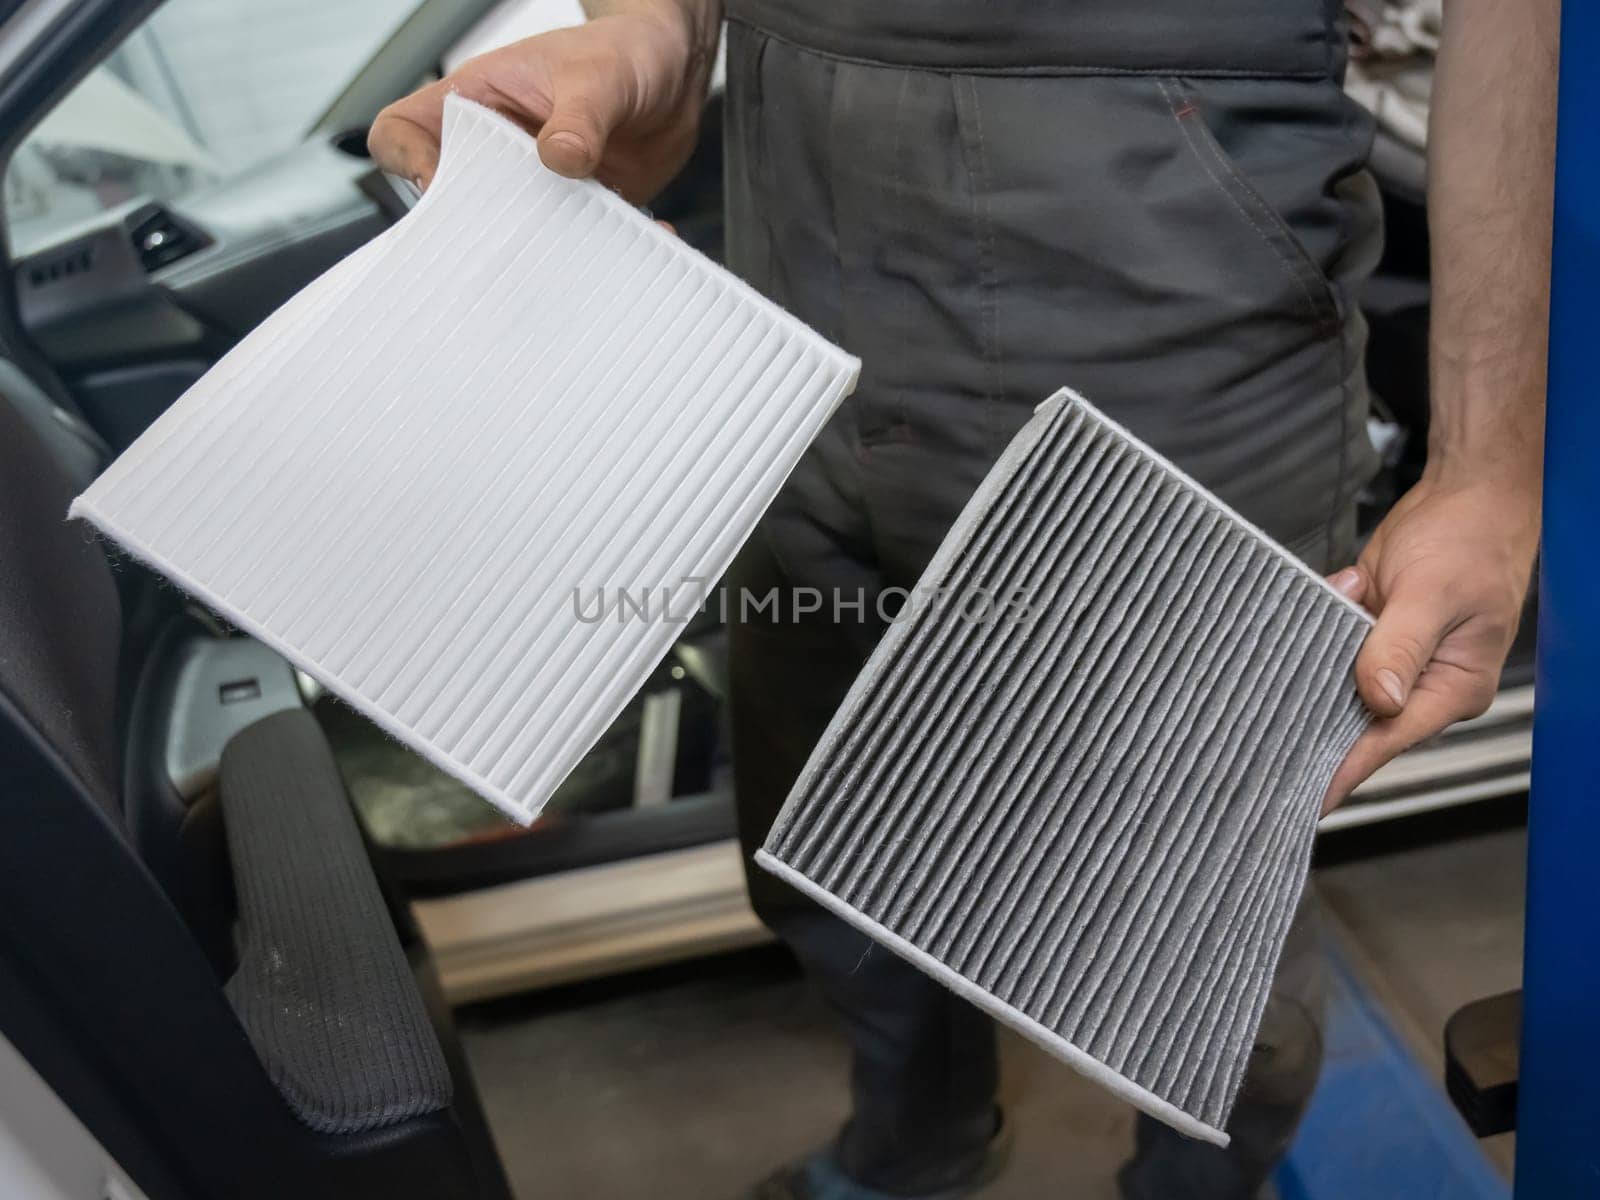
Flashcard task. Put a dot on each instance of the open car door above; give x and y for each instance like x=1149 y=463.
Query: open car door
x=180 y=170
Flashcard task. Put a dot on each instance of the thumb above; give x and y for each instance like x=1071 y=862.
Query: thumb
x=589 y=103
x=1397 y=650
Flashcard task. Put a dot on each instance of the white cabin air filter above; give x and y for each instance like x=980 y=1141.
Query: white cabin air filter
x=1090 y=808
x=425 y=478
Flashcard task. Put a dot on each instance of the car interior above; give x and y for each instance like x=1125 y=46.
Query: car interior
x=237 y=914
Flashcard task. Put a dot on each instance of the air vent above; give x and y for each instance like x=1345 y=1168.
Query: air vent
x=352 y=142
x=159 y=238
x=65 y=265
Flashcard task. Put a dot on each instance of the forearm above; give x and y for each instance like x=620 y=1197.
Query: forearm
x=1490 y=182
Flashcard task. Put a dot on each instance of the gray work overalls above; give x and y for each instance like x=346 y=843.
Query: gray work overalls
x=1160 y=203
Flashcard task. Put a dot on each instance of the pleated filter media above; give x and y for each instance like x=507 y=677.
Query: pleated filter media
x=1081 y=789
x=429 y=478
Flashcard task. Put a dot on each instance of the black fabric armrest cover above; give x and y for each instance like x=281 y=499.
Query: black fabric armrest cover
x=322 y=987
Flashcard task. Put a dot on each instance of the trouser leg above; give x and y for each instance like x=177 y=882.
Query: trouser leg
x=924 y=1068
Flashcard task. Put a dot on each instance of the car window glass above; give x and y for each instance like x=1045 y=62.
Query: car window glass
x=203 y=90
x=511 y=21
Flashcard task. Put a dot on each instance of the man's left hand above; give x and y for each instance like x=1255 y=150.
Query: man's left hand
x=1446 y=573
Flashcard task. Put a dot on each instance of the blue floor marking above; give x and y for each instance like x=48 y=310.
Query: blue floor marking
x=1378 y=1127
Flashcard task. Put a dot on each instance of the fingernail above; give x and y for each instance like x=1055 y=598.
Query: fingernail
x=1346 y=582
x=1392 y=687
x=571 y=142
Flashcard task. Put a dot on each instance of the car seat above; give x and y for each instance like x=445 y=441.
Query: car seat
x=195 y=951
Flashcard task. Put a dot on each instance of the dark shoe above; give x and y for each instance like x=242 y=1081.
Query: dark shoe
x=819 y=1177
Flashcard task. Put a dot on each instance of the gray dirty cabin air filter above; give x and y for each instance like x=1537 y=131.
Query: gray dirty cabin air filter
x=1090 y=810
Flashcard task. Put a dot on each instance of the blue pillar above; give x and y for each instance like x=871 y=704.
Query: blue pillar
x=1558 y=1127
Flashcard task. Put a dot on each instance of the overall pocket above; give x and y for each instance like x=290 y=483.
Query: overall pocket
x=1246 y=204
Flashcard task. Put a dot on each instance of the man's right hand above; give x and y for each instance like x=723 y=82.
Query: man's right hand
x=618 y=98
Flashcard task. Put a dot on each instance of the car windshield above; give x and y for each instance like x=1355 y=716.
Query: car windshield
x=186 y=101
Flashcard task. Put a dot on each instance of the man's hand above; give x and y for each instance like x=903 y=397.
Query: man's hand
x=618 y=98
x=1446 y=573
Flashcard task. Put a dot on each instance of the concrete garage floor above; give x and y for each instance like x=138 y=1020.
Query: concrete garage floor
x=691 y=1082
x=696 y=1081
